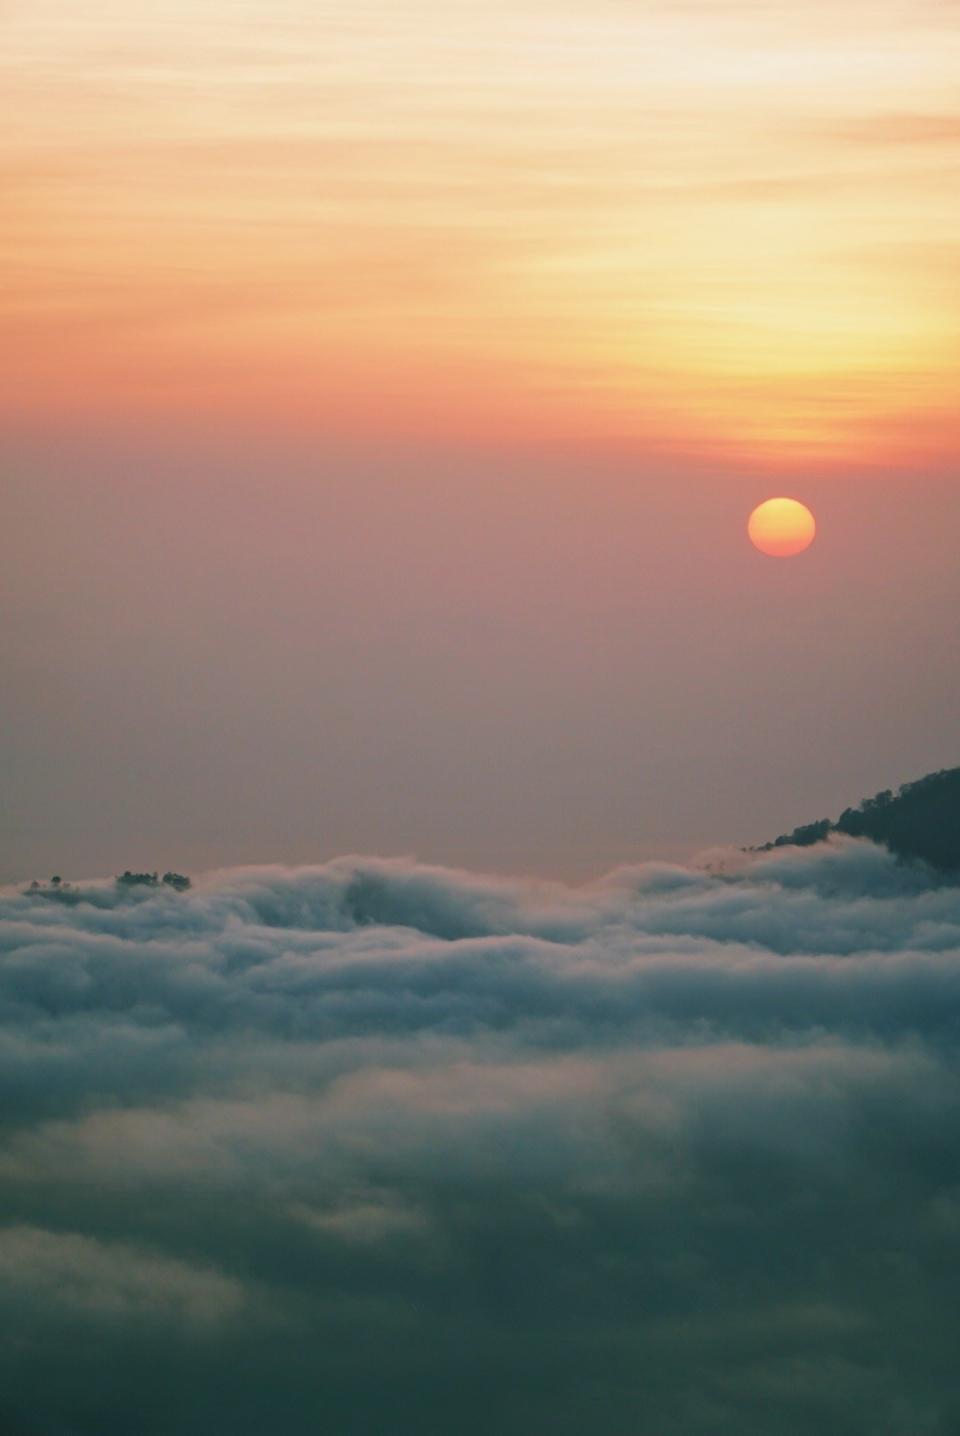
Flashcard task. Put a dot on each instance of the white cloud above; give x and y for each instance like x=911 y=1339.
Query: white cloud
x=433 y=1112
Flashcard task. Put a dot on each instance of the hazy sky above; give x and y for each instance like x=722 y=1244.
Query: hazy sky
x=386 y=389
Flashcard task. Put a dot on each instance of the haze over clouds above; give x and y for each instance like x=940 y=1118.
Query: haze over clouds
x=488 y=660
x=380 y=1146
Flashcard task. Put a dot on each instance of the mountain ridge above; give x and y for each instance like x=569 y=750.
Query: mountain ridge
x=920 y=821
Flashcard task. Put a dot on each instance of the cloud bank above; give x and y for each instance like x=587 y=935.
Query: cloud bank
x=376 y=1147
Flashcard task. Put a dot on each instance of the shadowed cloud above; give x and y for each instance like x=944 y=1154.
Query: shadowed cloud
x=384 y=1146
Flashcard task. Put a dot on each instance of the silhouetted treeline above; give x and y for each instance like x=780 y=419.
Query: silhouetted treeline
x=921 y=820
x=67 y=892
x=177 y=881
x=56 y=887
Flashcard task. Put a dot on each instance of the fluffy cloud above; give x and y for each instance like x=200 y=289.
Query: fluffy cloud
x=379 y=1147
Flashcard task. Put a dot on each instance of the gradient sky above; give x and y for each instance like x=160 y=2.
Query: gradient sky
x=386 y=389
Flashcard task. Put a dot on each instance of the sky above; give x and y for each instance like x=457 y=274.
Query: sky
x=386 y=388
x=378 y=1147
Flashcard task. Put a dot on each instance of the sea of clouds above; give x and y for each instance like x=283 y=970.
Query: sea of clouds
x=381 y=1149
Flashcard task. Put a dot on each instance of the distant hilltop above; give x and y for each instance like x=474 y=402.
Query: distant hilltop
x=57 y=887
x=920 y=820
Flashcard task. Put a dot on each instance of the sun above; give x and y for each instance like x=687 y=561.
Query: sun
x=781 y=527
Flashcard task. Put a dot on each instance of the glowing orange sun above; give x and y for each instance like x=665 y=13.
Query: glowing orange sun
x=781 y=527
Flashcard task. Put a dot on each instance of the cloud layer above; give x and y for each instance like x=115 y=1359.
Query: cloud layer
x=379 y=1147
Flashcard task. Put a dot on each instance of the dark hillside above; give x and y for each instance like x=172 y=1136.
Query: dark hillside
x=921 y=820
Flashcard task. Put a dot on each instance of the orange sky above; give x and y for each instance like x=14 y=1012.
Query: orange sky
x=720 y=228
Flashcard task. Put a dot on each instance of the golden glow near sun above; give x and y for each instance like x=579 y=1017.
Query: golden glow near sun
x=722 y=229
x=781 y=527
